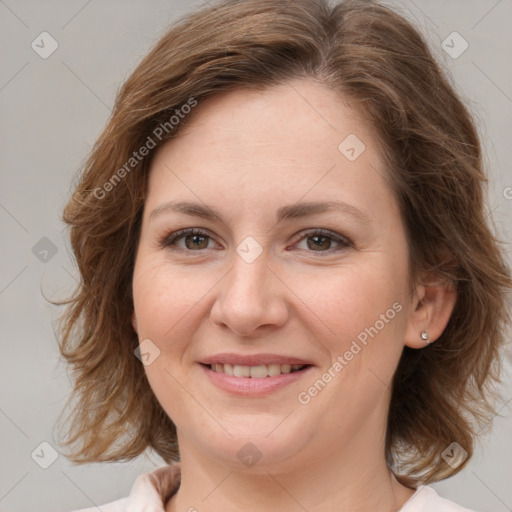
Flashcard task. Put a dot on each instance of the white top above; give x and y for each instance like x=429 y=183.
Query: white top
x=151 y=491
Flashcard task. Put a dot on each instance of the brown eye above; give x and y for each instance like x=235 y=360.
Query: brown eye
x=194 y=240
x=321 y=241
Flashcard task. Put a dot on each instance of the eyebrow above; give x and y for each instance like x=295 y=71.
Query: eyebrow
x=292 y=211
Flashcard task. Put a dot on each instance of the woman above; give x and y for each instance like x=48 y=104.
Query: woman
x=289 y=288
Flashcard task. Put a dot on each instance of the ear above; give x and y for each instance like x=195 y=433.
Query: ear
x=431 y=309
x=134 y=322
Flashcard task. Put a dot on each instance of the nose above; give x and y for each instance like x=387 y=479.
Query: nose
x=251 y=298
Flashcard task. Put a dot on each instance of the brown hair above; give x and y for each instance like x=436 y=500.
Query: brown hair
x=368 y=54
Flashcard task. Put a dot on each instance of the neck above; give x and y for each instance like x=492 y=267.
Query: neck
x=352 y=479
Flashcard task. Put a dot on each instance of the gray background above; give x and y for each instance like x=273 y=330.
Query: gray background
x=53 y=109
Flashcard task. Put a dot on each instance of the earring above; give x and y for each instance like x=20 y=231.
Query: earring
x=424 y=336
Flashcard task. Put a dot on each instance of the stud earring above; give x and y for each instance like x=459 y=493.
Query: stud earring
x=424 y=336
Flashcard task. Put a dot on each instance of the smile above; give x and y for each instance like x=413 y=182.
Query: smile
x=256 y=372
x=256 y=375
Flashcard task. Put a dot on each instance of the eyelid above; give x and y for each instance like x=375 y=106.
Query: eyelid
x=342 y=241
x=168 y=240
x=324 y=232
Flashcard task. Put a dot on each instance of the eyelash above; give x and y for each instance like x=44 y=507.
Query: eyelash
x=169 y=241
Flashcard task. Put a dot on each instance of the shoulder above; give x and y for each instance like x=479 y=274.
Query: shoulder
x=426 y=499
x=149 y=492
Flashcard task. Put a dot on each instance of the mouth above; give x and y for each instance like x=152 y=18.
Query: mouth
x=254 y=375
x=261 y=371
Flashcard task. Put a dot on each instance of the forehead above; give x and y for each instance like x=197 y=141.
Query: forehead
x=299 y=110
x=287 y=142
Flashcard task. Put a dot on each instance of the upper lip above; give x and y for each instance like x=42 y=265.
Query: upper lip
x=253 y=360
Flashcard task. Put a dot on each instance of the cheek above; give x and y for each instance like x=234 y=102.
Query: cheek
x=364 y=308
x=351 y=300
x=166 y=304
x=337 y=305
x=365 y=311
x=165 y=299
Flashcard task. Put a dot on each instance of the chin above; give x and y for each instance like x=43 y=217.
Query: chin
x=256 y=442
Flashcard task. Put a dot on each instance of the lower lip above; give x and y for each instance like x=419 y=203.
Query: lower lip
x=249 y=386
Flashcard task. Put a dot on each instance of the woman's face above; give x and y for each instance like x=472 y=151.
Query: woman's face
x=257 y=327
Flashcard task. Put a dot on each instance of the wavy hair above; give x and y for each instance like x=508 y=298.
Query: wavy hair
x=373 y=56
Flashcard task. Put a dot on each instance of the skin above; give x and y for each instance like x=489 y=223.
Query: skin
x=246 y=154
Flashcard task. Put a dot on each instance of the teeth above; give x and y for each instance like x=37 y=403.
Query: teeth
x=238 y=371
x=273 y=369
x=286 y=368
x=256 y=372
